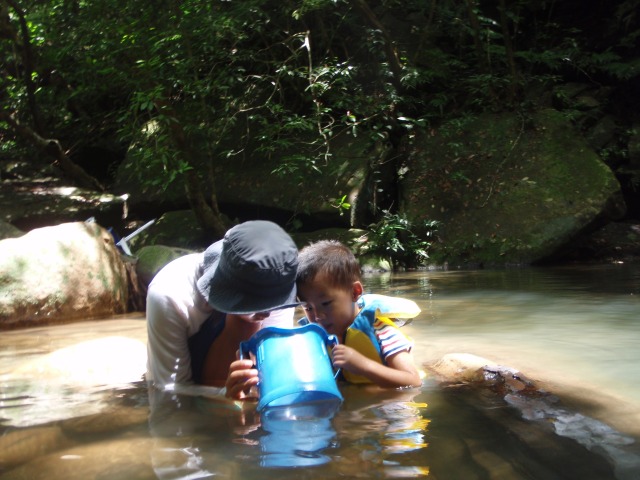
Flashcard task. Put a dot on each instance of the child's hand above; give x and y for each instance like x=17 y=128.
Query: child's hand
x=242 y=377
x=348 y=358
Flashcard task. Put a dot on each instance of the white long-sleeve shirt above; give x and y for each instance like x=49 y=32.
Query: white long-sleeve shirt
x=175 y=311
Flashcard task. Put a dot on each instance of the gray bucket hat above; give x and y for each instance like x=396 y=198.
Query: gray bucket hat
x=252 y=269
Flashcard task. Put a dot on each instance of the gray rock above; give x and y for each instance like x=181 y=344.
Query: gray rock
x=9 y=231
x=152 y=258
x=603 y=132
x=506 y=190
x=178 y=229
x=57 y=274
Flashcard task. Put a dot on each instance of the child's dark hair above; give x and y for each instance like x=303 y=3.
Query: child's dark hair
x=330 y=257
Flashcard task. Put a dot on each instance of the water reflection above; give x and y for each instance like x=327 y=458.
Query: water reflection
x=373 y=430
x=192 y=434
x=297 y=435
x=575 y=328
x=197 y=435
x=377 y=429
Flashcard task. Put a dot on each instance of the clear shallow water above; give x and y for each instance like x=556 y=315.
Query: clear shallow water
x=574 y=324
x=72 y=405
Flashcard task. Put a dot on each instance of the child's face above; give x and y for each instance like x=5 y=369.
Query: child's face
x=332 y=307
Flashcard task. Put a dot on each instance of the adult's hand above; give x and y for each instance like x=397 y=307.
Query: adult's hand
x=242 y=377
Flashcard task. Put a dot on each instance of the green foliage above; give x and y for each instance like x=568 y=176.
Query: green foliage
x=341 y=204
x=394 y=238
x=183 y=84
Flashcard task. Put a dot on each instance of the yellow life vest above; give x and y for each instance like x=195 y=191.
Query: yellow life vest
x=392 y=311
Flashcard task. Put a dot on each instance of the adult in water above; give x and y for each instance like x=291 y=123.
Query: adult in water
x=201 y=306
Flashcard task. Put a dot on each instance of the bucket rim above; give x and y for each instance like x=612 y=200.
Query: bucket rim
x=270 y=332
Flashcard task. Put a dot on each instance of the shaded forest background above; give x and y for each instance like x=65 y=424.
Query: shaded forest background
x=86 y=84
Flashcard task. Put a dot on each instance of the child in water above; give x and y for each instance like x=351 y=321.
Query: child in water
x=372 y=349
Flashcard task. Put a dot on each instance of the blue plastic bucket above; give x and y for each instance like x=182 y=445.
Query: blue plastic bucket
x=293 y=365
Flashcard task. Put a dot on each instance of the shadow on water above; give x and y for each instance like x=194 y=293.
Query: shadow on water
x=576 y=328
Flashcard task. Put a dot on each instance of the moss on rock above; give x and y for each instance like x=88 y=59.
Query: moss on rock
x=507 y=189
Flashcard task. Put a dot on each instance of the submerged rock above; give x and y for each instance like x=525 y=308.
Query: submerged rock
x=20 y=446
x=543 y=408
x=111 y=420
x=126 y=458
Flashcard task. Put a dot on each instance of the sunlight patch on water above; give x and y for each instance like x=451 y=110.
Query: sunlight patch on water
x=72 y=381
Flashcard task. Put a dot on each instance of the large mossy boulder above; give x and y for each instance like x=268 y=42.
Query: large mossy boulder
x=178 y=228
x=507 y=189
x=152 y=258
x=72 y=271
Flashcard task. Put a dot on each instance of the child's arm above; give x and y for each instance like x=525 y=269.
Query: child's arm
x=400 y=370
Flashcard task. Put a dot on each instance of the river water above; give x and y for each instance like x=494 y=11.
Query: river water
x=73 y=403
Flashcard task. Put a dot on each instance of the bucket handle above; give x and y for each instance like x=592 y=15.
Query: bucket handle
x=244 y=350
x=332 y=341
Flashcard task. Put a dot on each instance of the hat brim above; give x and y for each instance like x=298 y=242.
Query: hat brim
x=214 y=287
x=228 y=301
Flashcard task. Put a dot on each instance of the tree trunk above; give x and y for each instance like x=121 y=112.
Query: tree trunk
x=477 y=42
x=27 y=67
x=52 y=147
x=427 y=29
x=509 y=52
x=390 y=50
x=208 y=215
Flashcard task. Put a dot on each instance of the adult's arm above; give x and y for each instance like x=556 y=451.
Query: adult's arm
x=168 y=359
x=175 y=311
